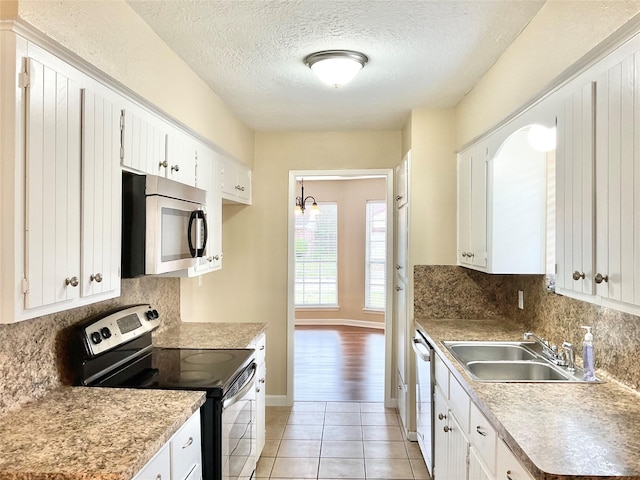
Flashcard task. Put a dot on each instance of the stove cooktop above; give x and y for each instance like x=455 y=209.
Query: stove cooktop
x=213 y=371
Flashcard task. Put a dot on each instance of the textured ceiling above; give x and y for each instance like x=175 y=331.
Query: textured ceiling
x=422 y=53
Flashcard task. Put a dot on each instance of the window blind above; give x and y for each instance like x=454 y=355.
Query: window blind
x=376 y=248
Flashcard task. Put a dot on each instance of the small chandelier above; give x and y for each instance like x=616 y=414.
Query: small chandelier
x=301 y=201
x=336 y=67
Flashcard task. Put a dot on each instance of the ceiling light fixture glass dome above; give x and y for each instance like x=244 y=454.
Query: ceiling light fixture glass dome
x=336 y=67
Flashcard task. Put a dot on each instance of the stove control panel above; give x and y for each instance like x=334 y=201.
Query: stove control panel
x=110 y=331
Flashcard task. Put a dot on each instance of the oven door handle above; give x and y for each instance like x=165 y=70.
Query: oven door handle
x=248 y=386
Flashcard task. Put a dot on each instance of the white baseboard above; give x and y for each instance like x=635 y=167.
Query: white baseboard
x=393 y=403
x=277 y=401
x=340 y=321
x=412 y=436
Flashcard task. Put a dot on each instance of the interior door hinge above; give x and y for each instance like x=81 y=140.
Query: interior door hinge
x=23 y=79
x=25 y=285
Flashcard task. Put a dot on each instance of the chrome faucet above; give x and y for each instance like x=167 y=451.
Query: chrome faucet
x=548 y=350
x=567 y=348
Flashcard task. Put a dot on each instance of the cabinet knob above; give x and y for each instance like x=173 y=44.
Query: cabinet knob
x=175 y=168
x=398 y=288
x=441 y=416
x=257 y=389
x=601 y=278
x=97 y=277
x=73 y=281
x=164 y=164
x=578 y=275
x=509 y=477
x=398 y=267
x=216 y=257
x=464 y=254
x=262 y=380
x=447 y=428
x=398 y=198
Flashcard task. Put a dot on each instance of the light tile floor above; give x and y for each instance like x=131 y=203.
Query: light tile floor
x=338 y=440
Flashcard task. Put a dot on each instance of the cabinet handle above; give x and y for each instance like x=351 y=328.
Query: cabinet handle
x=601 y=278
x=262 y=380
x=578 y=275
x=398 y=267
x=164 y=164
x=509 y=477
x=481 y=431
x=261 y=347
x=398 y=198
x=97 y=277
x=447 y=428
x=441 y=416
x=73 y=281
x=188 y=444
x=398 y=288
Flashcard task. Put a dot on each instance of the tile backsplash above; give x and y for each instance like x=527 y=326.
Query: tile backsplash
x=444 y=291
x=32 y=352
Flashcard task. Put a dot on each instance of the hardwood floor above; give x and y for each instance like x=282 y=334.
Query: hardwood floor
x=338 y=363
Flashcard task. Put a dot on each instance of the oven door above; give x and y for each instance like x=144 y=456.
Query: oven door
x=239 y=431
x=176 y=234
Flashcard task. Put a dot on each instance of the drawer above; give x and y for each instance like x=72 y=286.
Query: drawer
x=185 y=448
x=442 y=376
x=509 y=467
x=459 y=403
x=158 y=468
x=483 y=437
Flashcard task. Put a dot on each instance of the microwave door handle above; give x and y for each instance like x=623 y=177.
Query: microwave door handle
x=197 y=252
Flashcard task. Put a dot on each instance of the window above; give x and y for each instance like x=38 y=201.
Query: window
x=316 y=277
x=376 y=253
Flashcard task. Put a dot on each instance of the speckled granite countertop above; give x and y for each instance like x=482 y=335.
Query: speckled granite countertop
x=79 y=433
x=558 y=431
x=209 y=335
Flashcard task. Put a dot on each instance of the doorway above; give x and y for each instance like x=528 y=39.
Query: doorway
x=339 y=347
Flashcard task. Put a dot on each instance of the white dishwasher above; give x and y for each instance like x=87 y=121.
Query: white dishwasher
x=424 y=397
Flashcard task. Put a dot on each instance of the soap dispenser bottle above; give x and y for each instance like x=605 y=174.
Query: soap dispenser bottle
x=588 y=360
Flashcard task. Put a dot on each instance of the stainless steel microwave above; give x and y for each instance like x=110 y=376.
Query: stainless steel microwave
x=164 y=225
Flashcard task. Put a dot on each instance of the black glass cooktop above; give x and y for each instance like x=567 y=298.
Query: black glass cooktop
x=213 y=371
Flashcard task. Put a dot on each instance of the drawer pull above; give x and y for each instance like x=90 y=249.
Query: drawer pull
x=509 y=477
x=188 y=444
x=158 y=477
x=481 y=431
x=261 y=347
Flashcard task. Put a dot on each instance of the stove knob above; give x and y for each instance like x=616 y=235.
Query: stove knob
x=96 y=338
x=155 y=313
x=106 y=333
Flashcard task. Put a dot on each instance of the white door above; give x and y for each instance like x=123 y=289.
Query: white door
x=52 y=253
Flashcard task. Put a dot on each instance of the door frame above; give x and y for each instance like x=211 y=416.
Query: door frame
x=388 y=174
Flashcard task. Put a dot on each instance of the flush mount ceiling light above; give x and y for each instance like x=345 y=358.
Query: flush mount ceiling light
x=336 y=67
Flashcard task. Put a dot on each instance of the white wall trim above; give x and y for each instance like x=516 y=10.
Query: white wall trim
x=340 y=321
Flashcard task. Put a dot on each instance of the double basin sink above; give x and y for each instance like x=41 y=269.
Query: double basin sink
x=509 y=362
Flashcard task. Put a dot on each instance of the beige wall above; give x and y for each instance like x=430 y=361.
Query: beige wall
x=112 y=37
x=559 y=35
x=351 y=197
x=252 y=286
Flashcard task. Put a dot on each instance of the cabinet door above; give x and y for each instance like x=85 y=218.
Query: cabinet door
x=457 y=450
x=401 y=326
x=464 y=208
x=508 y=466
x=477 y=470
x=235 y=181
x=181 y=157
x=261 y=400
x=52 y=223
x=143 y=141
x=440 y=438
x=574 y=192
x=402 y=182
x=478 y=237
x=402 y=242
x=158 y=468
x=101 y=196
x=617 y=183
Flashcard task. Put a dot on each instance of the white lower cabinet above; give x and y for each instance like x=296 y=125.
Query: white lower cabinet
x=466 y=446
x=180 y=458
x=261 y=399
x=509 y=467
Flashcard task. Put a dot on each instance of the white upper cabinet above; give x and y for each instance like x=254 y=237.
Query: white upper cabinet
x=52 y=221
x=574 y=197
x=143 y=141
x=502 y=205
x=101 y=196
x=235 y=180
x=617 y=183
x=180 y=164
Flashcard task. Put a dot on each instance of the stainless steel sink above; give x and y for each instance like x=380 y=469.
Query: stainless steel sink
x=508 y=362
x=517 y=371
x=470 y=351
